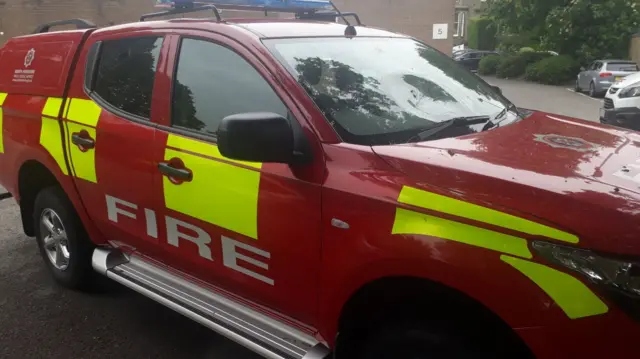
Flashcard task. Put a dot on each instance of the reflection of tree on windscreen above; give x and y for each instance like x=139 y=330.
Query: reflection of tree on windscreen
x=426 y=89
x=357 y=104
x=346 y=88
x=453 y=70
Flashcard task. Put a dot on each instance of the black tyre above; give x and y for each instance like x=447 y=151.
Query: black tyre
x=592 y=90
x=418 y=341
x=63 y=242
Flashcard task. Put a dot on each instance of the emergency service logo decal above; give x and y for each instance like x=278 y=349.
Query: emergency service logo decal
x=26 y=75
x=571 y=143
x=28 y=59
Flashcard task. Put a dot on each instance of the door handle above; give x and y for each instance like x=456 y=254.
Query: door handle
x=176 y=171
x=83 y=140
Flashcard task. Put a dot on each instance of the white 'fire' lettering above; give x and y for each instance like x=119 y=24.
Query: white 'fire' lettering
x=230 y=256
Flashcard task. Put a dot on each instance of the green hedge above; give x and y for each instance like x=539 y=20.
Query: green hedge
x=511 y=66
x=489 y=64
x=554 y=70
x=482 y=34
x=515 y=65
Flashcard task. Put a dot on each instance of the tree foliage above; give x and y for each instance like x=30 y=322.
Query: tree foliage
x=590 y=29
x=521 y=23
x=482 y=34
x=584 y=29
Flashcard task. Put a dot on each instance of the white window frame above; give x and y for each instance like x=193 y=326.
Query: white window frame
x=459 y=23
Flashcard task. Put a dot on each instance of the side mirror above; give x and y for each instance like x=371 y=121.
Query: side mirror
x=497 y=89
x=256 y=137
x=582 y=68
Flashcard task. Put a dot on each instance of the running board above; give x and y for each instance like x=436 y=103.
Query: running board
x=270 y=338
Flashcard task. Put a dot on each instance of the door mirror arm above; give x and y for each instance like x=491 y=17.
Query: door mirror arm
x=302 y=153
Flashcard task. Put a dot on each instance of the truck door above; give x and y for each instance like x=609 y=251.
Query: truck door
x=250 y=228
x=110 y=135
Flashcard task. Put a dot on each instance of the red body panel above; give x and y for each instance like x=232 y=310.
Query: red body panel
x=288 y=215
x=561 y=186
x=317 y=267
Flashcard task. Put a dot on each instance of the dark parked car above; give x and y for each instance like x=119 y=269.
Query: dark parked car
x=471 y=59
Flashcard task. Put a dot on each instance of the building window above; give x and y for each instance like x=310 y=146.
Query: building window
x=459 y=24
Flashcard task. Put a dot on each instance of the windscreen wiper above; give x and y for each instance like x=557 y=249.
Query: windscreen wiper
x=454 y=122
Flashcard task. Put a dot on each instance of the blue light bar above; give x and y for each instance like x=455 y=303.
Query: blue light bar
x=270 y=4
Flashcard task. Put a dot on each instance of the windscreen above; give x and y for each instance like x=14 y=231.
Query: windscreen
x=385 y=90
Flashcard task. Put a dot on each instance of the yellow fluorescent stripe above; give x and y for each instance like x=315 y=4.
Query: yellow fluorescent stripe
x=3 y=96
x=83 y=111
x=459 y=208
x=1 y=131
x=410 y=222
x=203 y=148
x=220 y=193
x=52 y=107
x=84 y=163
x=571 y=295
x=51 y=140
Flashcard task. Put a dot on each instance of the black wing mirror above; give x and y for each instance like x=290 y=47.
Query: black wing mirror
x=497 y=89
x=256 y=137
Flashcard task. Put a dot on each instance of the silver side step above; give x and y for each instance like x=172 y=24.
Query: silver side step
x=255 y=331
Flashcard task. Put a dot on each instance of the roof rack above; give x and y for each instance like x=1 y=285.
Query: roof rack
x=303 y=9
x=79 y=23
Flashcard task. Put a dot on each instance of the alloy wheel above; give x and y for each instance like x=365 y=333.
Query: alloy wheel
x=56 y=242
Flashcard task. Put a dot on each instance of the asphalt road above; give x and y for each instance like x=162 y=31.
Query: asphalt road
x=554 y=99
x=38 y=319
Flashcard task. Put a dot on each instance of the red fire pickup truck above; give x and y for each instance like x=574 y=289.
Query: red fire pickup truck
x=312 y=189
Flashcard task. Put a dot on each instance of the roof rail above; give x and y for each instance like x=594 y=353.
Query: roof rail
x=79 y=23
x=183 y=10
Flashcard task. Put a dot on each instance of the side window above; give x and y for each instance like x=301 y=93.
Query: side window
x=213 y=82
x=126 y=72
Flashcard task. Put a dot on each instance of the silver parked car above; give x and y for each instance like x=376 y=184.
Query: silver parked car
x=601 y=74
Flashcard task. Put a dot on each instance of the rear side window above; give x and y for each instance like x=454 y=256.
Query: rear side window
x=126 y=72
x=622 y=66
x=213 y=82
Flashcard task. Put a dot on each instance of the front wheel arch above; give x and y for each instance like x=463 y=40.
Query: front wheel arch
x=394 y=299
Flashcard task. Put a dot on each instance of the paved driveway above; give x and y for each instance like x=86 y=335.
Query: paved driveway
x=39 y=319
x=555 y=99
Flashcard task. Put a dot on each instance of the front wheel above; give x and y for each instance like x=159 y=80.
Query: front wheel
x=63 y=242
x=592 y=90
x=577 y=87
x=415 y=341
